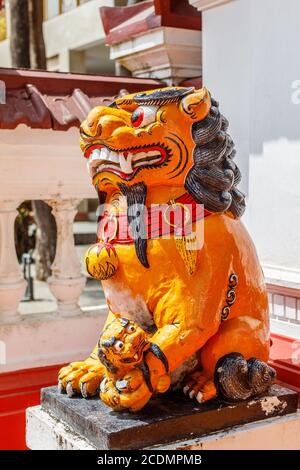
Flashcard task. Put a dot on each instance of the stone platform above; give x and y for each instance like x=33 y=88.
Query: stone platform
x=172 y=417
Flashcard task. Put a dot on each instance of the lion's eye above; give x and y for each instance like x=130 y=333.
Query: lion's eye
x=119 y=345
x=130 y=329
x=143 y=115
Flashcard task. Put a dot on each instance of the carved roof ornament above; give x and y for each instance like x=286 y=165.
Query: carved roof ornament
x=58 y=101
x=122 y=23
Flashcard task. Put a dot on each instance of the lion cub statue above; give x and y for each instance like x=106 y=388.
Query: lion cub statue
x=188 y=307
x=125 y=336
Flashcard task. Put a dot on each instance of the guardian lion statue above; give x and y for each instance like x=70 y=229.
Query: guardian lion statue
x=188 y=307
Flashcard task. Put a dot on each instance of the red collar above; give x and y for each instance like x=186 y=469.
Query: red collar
x=176 y=217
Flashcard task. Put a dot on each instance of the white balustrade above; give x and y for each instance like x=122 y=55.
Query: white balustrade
x=67 y=282
x=43 y=164
x=12 y=284
x=37 y=164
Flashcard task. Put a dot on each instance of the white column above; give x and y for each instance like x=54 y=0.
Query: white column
x=12 y=284
x=72 y=61
x=67 y=282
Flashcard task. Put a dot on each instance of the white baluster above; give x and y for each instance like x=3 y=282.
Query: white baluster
x=12 y=284
x=67 y=282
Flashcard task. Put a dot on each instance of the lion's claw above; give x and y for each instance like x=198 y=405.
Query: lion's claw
x=200 y=387
x=80 y=378
x=60 y=387
x=70 y=391
x=89 y=384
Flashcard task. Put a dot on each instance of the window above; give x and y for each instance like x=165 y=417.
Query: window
x=67 y=5
x=54 y=8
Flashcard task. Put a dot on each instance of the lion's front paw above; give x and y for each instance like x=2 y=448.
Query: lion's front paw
x=130 y=393
x=81 y=378
x=110 y=395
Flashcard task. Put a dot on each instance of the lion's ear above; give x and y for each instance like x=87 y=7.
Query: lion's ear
x=197 y=104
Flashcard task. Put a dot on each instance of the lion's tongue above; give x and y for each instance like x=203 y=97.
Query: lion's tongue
x=125 y=160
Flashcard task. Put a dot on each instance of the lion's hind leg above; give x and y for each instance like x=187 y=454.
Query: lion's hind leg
x=233 y=363
x=200 y=386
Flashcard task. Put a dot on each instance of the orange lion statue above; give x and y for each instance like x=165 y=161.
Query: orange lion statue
x=188 y=307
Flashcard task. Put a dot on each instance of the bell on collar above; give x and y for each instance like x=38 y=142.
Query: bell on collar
x=101 y=260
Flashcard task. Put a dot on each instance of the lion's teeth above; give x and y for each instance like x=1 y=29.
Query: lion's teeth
x=140 y=155
x=93 y=161
x=104 y=154
x=96 y=154
x=153 y=160
x=136 y=356
x=152 y=153
x=126 y=160
x=126 y=163
x=113 y=157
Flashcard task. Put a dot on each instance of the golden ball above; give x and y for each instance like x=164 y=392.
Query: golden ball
x=101 y=261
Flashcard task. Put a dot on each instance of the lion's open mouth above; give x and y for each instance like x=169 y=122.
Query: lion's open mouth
x=125 y=163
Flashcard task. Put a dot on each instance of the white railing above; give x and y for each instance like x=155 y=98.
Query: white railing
x=39 y=164
x=284 y=304
x=66 y=283
x=44 y=165
x=283 y=287
x=12 y=284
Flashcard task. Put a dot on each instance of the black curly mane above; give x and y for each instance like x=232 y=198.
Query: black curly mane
x=214 y=177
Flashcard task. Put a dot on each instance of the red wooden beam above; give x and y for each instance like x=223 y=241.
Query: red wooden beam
x=58 y=101
x=122 y=23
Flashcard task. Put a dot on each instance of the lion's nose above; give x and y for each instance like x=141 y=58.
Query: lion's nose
x=108 y=342
x=109 y=124
x=102 y=121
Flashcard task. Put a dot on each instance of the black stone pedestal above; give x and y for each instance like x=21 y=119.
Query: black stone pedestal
x=169 y=418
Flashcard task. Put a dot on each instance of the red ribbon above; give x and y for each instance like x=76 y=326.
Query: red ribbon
x=159 y=220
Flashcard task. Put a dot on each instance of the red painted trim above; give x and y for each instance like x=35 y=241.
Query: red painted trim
x=171 y=13
x=27 y=379
x=19 y=390
x=178 y=14
x=65 y=83
x=58 y=101
x=285 y=358
x=196 y=82
x=114 y=16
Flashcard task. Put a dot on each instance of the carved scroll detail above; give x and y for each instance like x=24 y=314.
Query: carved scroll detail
x=230 y=296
